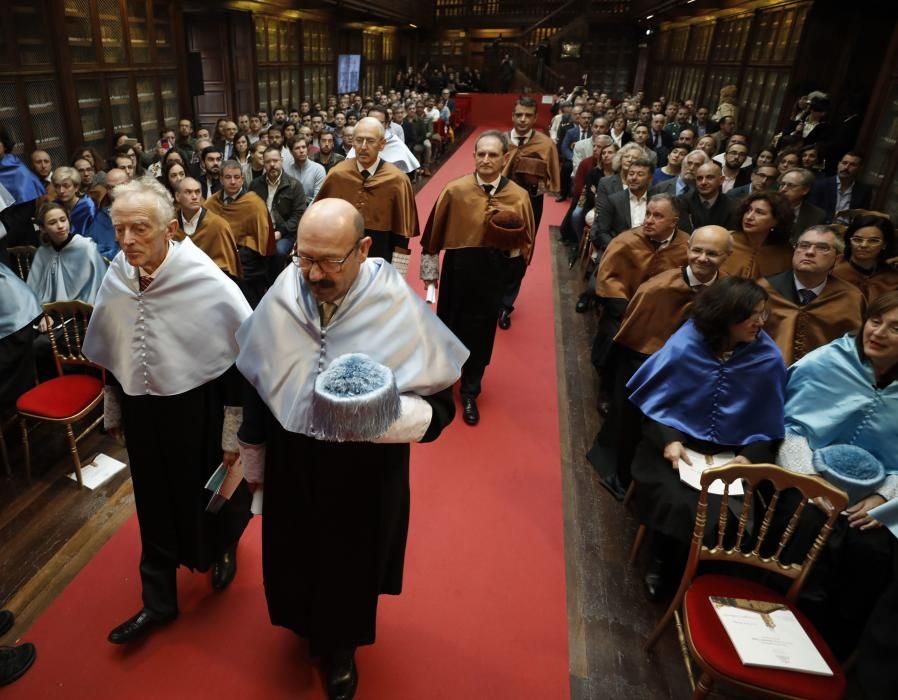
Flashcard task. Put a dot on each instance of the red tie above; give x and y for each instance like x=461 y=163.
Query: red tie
x=145 y=282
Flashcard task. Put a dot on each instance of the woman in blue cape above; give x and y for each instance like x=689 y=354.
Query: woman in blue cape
x=81 y=210
x=717 y=385
x=839 y=397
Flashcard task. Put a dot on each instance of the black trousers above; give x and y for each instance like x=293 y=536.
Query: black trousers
x=515 y=272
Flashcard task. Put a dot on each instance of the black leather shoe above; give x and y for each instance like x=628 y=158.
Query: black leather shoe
x=583 y=303
x=653 y=581
x=613 y=485
x=138 y=626
x=470 y=414
x=14 y=661
x=505 y=320
x=224 y=570
x=342 y=675
x=7 y=620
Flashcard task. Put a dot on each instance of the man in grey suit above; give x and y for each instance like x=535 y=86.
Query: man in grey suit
x=707 y=205
x=795 y=185
x=684 y=183
x=583 y=148
x=626 y=209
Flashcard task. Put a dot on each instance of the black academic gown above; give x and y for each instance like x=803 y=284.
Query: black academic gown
x=174 y=445
x=334 y=527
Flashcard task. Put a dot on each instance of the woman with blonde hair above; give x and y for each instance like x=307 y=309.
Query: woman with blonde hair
x=726 y=107
x=80 y=210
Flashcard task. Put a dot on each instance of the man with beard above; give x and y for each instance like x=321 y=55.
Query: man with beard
x=327 y=155
x=211 y=179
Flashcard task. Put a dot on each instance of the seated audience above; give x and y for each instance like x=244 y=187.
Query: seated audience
x=208 y=232
x=808 y=306
x=715 y=386
x=707 y=205
x=869 y=243
x=844 y=191
x=285 y=197
x=795 y=185
x=626 y=209
x=101 y=231
x=81 y=210
x=763 y=179
x=761 y=244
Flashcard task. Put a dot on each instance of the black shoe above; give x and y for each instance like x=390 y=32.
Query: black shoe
x=14 y=661
x=224 y=570
x=653 y=581
x=613 y=485
x=505 y=319
x=470 y=414
x=583 y=303
x=560 y=198
x=138 y=626
x=342 y=675
x=7 y=620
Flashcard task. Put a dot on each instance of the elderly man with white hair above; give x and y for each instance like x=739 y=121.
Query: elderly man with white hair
x=164 y=327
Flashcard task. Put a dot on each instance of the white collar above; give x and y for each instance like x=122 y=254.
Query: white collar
x=371 y=170
x=695 y=281
x=817 y=290
x=643 y=198
x=152 y=275
x=517 y=137
x=192 y=220
x=494 y=184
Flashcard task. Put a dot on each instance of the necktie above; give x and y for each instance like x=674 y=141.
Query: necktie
x=582 y=134
x=488 y=189
x=521 y=141
x=365 y=174
x=144 y=282
x=326 y=309
x=706 y=204
x=806 y=296
x=656 y=244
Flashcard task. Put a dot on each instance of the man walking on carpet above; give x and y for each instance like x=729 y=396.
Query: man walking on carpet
x=336 y=508
x=163 y=327
x=484 y=222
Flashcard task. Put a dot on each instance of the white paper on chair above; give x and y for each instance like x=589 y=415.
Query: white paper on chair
x=772 y=639
x=887 y=514
x=691 y=474
x=99 y=471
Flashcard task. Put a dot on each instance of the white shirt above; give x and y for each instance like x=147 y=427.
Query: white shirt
x=666 y=241
x=189 y=225
x=515 y=138
x=817 y=290
x=494 y=184
x=371 y=170
x=695 y=281
x=728 y=183
x=637 y=209
x=152 y=275
x=272 y=189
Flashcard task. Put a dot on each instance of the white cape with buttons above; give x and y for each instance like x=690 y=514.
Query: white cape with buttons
x=176 y=335
x=283 y=347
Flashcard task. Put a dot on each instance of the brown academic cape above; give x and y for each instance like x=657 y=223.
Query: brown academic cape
x=540 y=146
x=213 y=236
x=458 y=219
x=656 y=311
x=884 y=279
x=630 y=259
x=757 y=257
x=249 y=220
x=799 y=329
x=385 y=199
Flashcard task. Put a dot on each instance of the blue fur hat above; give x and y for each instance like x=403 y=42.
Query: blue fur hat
x=851 y=468
x=356 y=400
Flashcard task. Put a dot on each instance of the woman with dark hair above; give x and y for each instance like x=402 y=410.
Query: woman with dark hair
x=257 y=156
x=761 y=248
x=787 y=159
x=765 y=157
x=242 y=155
x=172 y=173
x=841 y=412
x=869 y=243
x=716 y=386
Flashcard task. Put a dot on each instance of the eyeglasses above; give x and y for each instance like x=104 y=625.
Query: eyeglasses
x=713 y=254
x=760 y=316
x=863 y=242
x=819 y=247
x=362 y=141
x=328 y=267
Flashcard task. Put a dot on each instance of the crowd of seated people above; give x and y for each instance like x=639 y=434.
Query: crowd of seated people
x=777 y=322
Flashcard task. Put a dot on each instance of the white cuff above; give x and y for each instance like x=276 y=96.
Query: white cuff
x=430 y=267
x=112 y=408
x=412 y=423
x=233 y=419
x=796 y=455
x=888 y=489
x=253 y=457
x=400 y=262
x=590 y=217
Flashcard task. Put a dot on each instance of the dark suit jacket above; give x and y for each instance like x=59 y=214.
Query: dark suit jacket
x=808 y=215
x=571 y=137
x=693 y=213
x=216 y=186
x=743 y=178
x=607 y=186
x=824 y=195
x=612 y=219
x=221 y=145
x=288 y=204
x=737 y=194
x=784 y=283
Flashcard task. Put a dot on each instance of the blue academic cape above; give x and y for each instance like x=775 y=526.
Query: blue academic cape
x=102 y=233
x=22 y=184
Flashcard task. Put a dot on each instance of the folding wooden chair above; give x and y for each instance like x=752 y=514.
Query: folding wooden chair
x=67 y=398
x=20 y=257
x=702 y=636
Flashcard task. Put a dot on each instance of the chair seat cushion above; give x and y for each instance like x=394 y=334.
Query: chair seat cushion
x=713 y=645
x=60 y=397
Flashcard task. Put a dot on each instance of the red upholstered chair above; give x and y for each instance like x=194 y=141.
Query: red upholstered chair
x=704 y=637
x=67 y=398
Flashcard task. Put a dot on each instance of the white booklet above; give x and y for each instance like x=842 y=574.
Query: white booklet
x=692 y=474
x=887 y=514
x=769 y=635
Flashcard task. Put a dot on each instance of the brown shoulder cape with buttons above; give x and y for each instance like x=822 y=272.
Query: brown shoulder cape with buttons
x=631 y=259
x=214 y=237
x=385 y=199
x=757 y=257
x=799 y=329
x=543 y=147
x=885 y=279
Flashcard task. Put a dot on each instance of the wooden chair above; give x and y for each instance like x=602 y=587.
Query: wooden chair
x=702 y=636
x=67 y=398
x=20 y=257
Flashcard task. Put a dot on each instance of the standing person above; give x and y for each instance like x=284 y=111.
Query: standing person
x=251 y=224
x=532 y=164
x=483 y=222
x=163 y=327
x=380 y=191
x=333 y=533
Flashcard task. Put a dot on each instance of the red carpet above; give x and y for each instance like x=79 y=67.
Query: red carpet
x=483 y=612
